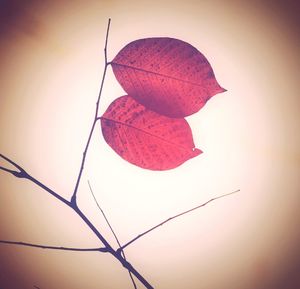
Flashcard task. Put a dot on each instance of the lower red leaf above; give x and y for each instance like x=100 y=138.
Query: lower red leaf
x=146 y=138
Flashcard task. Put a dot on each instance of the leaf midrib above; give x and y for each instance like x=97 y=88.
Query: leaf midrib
x=159 y=74
x=148 y=133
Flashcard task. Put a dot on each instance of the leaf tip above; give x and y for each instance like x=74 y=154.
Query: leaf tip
x=197 y=152
x=220 y=89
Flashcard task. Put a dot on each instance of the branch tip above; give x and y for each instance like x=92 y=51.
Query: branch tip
x=174 y=217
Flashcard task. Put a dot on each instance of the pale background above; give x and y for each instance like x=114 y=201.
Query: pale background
x=51 y=64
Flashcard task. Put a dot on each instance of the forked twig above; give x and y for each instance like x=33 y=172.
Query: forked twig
x=12 y=163
x=112 y=230
x=21 y=173
x=172 y=218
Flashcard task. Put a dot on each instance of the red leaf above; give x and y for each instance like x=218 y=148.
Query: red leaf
x=145 y=138
x=166 y=75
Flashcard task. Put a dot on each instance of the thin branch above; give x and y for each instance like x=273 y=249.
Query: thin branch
x=172 y=218
x=12 y=163
x=23 y=174
x=102 y=212
x=112 y=230
x=73 y=199
x=19 y=173
x=8 y=170
x=105 y=46
x=54 y=247
x=31 y=178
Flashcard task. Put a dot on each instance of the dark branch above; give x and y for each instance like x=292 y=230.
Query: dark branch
x=103 y=214
x=23 y=174
x=8 y=170
x=19 y=173
x=172 y=218
x=54 y=247
x=12 y=163
x=112 y=230
x=41 y=185
x=73 y=199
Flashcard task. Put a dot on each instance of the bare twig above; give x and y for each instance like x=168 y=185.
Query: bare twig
x=112 y=230
x=172 y=218
x=8 y=170
x=12 y=163
x=102 y=212
x=73 y=199
x=54 y=247
x=23 y=174
x=19 y=173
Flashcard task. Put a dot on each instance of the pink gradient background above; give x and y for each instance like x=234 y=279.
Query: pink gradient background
x=51 y=57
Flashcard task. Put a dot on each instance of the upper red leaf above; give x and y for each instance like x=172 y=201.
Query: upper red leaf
x=166 y=75
x=145 y=138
